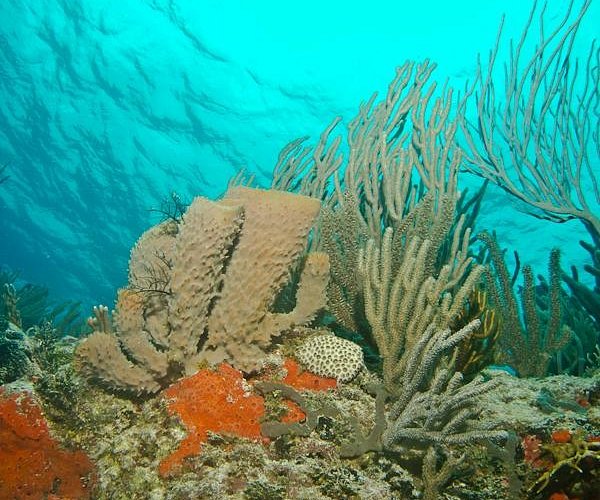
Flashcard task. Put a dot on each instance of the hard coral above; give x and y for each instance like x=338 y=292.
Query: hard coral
x=217 y=401
x=331 y=356
x=32 y=465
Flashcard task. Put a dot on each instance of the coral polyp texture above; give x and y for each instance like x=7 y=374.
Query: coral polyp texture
x=203 y=290
x=331 y=356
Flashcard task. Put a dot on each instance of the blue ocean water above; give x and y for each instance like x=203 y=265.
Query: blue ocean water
x=106 y=108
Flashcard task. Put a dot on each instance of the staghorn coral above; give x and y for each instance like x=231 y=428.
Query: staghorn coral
x=204 y=291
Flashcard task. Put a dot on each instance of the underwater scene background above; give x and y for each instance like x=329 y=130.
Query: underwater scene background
x=105 y=111
x=230 y=270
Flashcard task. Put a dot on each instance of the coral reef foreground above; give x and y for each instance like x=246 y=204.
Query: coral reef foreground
x=210 y=435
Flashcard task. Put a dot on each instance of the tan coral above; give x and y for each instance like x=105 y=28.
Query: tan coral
x=204 y=289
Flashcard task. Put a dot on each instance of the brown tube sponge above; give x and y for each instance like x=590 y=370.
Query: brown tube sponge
x=203 y=289
x=272 y=240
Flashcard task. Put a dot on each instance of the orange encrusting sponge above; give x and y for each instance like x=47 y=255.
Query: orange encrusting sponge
x=214 y=401
x=32 y=465
x=221 y=401
x=306 y=380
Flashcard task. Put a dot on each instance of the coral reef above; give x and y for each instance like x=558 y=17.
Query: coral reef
x=43 y=356
x=557 y=414
x=299 y=379
x=221 y=401
x=526 y=344
x=15 y=354
x=583 y=314
x=572 y=455
x=27 y=305
x=318 y=448
x=589 y=298
x=203 y=291
x=477 y=351
x=378 y=237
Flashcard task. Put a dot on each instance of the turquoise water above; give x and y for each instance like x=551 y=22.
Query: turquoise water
x=104 y=110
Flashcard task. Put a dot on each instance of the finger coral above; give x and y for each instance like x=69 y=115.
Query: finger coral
x=204 y=289
x=32 y=465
